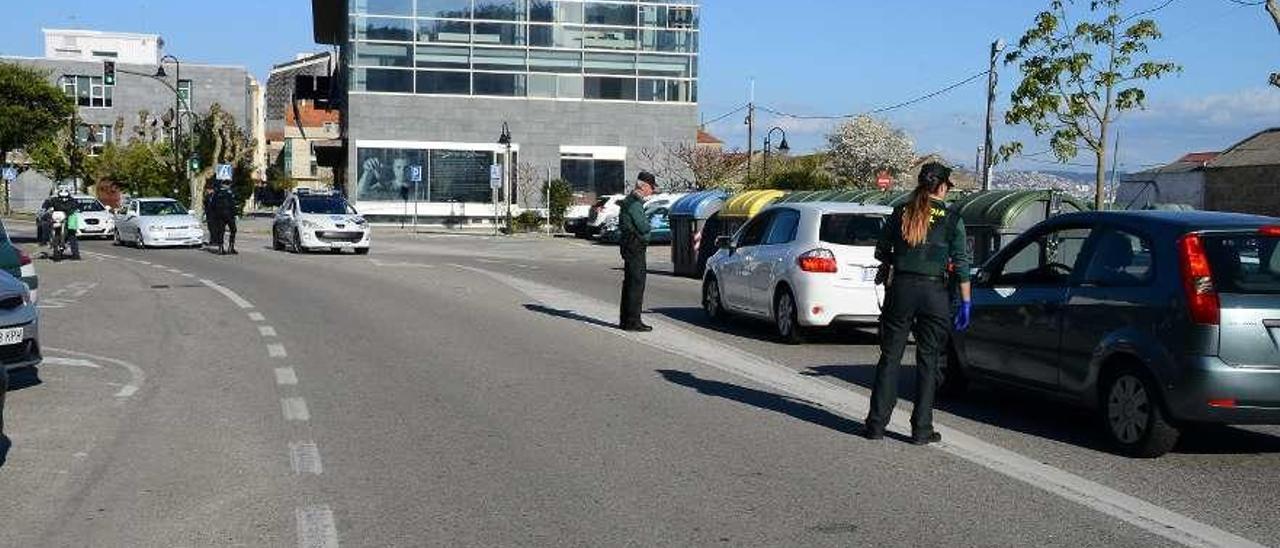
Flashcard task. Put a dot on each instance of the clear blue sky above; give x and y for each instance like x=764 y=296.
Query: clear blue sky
x=808 y=57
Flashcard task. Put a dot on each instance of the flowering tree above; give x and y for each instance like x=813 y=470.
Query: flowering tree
x=863 y=147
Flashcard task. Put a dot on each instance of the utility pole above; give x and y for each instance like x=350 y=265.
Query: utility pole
x=989 y=142
x=751 y=128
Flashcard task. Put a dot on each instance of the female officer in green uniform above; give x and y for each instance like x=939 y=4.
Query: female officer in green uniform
x=919 y=239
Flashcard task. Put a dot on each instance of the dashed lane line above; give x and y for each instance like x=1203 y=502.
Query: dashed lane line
x=266 y=331
x=285 y=376
x=316 y=528
x=295 y=409
x=305 y=457
x=669 y=337
x=257 y=317
x=276 y=351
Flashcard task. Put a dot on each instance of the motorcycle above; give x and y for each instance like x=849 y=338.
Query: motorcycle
x=58 y=235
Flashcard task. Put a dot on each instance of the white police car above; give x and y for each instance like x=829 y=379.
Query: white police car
x=313 y=220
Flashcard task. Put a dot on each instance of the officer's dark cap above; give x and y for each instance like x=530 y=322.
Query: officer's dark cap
x=647 y=177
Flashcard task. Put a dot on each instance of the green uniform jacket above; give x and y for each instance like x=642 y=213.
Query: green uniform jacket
x=945 y=243
x=632 y=222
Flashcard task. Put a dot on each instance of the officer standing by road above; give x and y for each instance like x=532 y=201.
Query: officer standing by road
x=634 y=228
x=919 y=240
x=222 y=217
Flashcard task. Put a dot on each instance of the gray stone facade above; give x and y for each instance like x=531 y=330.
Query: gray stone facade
x=136 y=91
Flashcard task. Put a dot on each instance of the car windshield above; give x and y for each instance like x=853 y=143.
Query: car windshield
x=1247 y=263
x=162 y=208
x=324 y=205
x=89 y=204
x=855 y=229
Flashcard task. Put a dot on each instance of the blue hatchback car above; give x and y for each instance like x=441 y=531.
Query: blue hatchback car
x=1156 y=320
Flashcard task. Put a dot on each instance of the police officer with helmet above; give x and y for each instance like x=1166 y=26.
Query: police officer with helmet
x=919 y=241
x=221 y=213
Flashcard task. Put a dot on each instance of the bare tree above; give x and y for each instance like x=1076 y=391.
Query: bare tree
x=668 y=170
x=708 y=167
x=1273 y=8
x=863 y=147
x=530 y=183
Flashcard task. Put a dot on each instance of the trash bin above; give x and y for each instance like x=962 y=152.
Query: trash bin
x=994 y=218
x=689 y=217
x=741 y=208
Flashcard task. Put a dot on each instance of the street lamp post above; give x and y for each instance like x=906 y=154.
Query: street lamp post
x=783 y=147
x=505 y=141
x=179 y=151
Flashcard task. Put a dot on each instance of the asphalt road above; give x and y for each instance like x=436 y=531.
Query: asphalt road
x=464 y=390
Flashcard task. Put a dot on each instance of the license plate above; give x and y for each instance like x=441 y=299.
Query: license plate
x=10 y=336
x=869 y=274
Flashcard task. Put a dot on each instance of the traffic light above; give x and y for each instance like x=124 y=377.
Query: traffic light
x=194 y=163
x=108 y=73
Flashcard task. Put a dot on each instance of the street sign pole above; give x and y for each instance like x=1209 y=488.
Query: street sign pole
x=10 y=173
x=495 y=183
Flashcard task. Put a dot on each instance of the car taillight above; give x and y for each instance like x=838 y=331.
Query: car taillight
x=23 y=258
x=1272 y=231
x=818 y=261
x=1197 y=279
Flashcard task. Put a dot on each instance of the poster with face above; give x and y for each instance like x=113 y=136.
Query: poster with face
x=383 y=172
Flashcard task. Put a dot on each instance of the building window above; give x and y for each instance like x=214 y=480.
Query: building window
x=589 y=175
x=516 y=48
x=88 y=91
x=184 y=93
x=105 y=54
x=610 y=89
x=94 y=137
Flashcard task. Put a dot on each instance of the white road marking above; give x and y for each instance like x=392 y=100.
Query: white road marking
x=316 y=528
x=295 y=409
x=285 y=376
x=383 y=264
x=136 y=376
x=173 y=271
x=842 y=401
x=276 y=351
x=229 y=294
x=185 y=275
x=305 y=457
x=488 y=261
x=142 y=262
x=159 y=266
x=70 y=362
x=266 y=331
x=257 y=317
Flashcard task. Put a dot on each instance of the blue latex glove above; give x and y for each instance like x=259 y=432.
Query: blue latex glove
x=963 y=315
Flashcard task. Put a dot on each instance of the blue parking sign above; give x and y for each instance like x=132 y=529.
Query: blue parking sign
x=10 y=173
x=415 y=174
x=224 y=172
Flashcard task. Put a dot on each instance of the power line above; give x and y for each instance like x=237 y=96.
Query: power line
x=726 y=115
x=1244 y=3
x=903 y=104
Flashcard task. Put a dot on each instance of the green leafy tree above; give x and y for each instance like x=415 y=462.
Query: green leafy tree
x=31 y=109
x=800 y=173
x=1082 y=66
x=561 y=200
x=215 y=138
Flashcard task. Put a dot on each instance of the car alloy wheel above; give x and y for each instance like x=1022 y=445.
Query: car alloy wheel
x=297 y=242
x=275 y=240
x=1133 y=418
x=711 y=300
x=785 y=318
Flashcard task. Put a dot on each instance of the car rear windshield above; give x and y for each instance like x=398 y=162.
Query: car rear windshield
x=1246 y=263
x=858 y=229
x=162 y=208
x=323 y=205
x=90 y=205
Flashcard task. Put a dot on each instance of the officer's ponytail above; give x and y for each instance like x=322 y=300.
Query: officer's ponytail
x=919 y=210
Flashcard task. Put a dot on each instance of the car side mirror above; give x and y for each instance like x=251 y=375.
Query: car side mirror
x=724 y=242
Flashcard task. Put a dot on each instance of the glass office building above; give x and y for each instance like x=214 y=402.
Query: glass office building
x=584 y=86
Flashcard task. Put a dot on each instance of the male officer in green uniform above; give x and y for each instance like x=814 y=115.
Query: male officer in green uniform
x=634 y=228
x=919 y=240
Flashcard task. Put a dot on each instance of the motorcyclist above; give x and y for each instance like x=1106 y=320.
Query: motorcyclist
x=222 y=217
x=68 y=205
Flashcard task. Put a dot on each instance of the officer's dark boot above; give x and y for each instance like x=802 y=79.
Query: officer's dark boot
x=231 y=247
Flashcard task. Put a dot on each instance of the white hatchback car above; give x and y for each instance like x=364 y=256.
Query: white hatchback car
x=95 y=220
x=313 y=220
x=799 y=265
x=158 y=222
